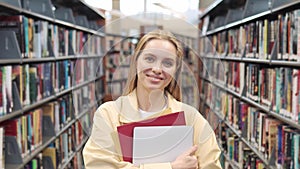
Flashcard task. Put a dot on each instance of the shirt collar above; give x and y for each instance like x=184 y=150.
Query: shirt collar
x=129 y=108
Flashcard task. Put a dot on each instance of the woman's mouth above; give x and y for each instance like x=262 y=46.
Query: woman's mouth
x=155 y=78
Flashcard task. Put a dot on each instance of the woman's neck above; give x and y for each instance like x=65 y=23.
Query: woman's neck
x=151 y=101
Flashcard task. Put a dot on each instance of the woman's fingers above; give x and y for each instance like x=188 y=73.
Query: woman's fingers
x=191 y=151
x=186 y=159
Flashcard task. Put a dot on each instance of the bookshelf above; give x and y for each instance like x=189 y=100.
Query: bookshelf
x=52 y=81
x=249 y=83
x=189 y=75
x=117 y=62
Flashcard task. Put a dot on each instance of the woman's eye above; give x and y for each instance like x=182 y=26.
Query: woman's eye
x=149 y=59
x=168 y=63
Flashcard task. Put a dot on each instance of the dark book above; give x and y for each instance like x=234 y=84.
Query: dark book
x=18 y=79
x=15 y=23
x=33 y=81
x=47 y=74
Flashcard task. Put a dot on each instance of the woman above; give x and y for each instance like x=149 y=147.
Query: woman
x=152 y=90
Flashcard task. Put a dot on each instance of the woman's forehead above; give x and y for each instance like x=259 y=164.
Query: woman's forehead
x=159 y=53
x=159 y=47
x=160 y=44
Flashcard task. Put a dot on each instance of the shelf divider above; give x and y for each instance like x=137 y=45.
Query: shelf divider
x=15 y=3
x=12 y=151
x=9 y=45
x=254 y=7
x=65 y=14
x=43 y=7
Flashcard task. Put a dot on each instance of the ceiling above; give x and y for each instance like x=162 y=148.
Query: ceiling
x=130 y=25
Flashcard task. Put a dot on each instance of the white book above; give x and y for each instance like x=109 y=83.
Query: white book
x=295 y=94
x=158 y=144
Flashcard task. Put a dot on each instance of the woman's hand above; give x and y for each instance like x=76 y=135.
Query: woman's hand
x=186 y=160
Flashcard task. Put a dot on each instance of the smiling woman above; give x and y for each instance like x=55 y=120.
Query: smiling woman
x=163 y=48
x=153 y=90
x=155 y=70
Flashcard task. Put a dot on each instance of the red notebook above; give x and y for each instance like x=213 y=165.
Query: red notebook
x=125 y=132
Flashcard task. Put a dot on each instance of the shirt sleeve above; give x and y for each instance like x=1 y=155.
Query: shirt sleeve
x=208 y=152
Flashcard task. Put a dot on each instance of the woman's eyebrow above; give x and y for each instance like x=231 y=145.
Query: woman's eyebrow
x=149 y=53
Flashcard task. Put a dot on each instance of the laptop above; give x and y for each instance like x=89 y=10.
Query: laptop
x=158 y=144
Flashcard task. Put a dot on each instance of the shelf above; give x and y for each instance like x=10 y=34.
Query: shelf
x=81 y=7
x=254 y=9
x=280 y=4
x=238 y=23
x=44 y=10
x=44 y=101
x=80 y=146
x=281 y=63
x=271 y=113
x=210 y=8
x=259 y=12
x=231 y=162
x=256 y=105
x=64 y=165
x=253 y=149
x=39 y=149
x=22 y=61
x=18 y=10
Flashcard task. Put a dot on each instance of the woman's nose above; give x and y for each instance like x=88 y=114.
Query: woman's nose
x=157 y=69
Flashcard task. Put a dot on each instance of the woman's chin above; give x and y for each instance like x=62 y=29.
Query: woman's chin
x=154 y=87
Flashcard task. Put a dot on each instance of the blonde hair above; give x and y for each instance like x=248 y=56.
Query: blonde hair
x=174 y=87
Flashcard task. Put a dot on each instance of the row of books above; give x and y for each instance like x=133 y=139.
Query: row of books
x=28 y=131
x=117 y=66
x=87 y=69
x=117 y=61
x=266 y=134
x=274 y=87
x=38 y=38
x=240 y=155
x=188 y=42
x=70 y=142
x=125 y=45
x=35 y=82
x=244 y=157
x=259 y=39
x=28 y=128
x=190 y=91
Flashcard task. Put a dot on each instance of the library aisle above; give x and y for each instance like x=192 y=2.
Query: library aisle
x=58 y=64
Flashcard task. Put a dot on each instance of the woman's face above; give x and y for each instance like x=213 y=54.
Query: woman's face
x=156 y=65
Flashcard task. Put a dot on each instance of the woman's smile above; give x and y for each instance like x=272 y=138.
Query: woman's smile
x=155 y=78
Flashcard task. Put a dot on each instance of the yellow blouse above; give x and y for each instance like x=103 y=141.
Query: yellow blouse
x=102 y=150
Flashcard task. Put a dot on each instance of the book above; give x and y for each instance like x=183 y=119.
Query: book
x=125 y=132
x=159 y=144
